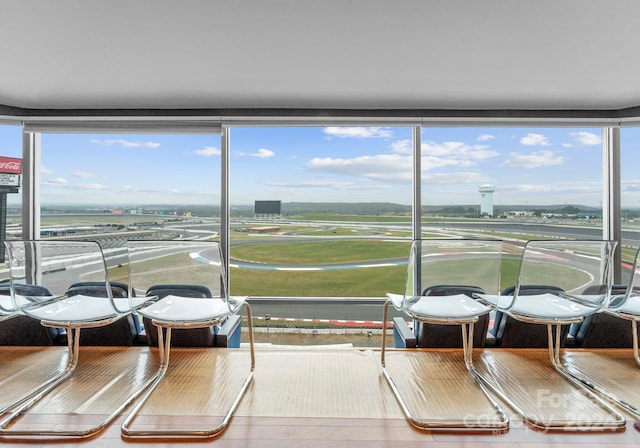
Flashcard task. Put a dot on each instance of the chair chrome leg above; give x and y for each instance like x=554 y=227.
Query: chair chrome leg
x=467 y=341
x=164 y=345
x=385 y=314
x=586 y=383
x=27 y=400
x=634 y=327
x=554 y=350
x=445 y=424
x=73 y=342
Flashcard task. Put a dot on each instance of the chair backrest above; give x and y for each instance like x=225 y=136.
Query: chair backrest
x=179 y=290
x=622 y=293
x=570 y=268
x=182 y=268
x=24 y=330
x=99 y=289
x=582 y=269
x=7 y=309
x=609 y=331
x=510 y=332
x=443 y=267
x=56 y=265
x=447 y=264
x=603 y=330
x=120 y=333
x=451 y=290
x=448 y=336
x=175 y=262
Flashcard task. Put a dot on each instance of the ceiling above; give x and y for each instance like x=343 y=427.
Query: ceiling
x=320 y=54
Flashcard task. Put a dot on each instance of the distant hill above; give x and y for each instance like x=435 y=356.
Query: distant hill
x=301 y=208
x=345 y=208
x=582 y=208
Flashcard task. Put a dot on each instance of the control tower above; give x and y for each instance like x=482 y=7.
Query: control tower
x=486 y=199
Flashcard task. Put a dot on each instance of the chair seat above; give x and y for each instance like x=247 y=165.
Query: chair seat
x=79 y=308
x=6 y=307
x=6 y=304
x=546 y=306
x=451 y=308
x=174 y=309
x=631 y=306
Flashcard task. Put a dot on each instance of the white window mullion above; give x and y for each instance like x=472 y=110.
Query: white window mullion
x=611 y=217
x=31 y=185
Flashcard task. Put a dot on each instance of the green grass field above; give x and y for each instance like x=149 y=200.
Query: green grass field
x=321 y=252
x=354 y=282
x=371 y=282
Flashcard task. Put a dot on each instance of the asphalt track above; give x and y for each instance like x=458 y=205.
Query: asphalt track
x=371 y=309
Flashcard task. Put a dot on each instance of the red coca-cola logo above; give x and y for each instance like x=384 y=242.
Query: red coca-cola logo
x=13 y=166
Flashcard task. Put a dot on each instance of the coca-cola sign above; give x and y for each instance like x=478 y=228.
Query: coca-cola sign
x=10 y=165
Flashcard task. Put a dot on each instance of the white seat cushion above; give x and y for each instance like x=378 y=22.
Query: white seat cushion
x=185 y=309
x=541 y=306
x=455 y=307
x=78 y=308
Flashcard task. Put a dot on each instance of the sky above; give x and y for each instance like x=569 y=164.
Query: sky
x=526 y=166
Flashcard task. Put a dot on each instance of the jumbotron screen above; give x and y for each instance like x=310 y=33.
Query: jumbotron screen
x=267 y=207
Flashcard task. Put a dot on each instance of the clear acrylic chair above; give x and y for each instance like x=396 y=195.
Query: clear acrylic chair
x=123 y=332
x=624 y=305
x=582 y=271
x=627 y=305
x=7 y=311
x=18 y=329
x=181 y=262
x=55 y=265
x=453 y=269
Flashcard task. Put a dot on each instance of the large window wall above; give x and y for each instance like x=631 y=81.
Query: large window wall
x=629 y=194
x=515 y=183
x=551 y=175
x=344 y=226
x=11 y=146
x=345 y=195
x=350 y=199
x=114 y=187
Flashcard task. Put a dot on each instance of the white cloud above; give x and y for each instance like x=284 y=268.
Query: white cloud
x=126 y=143
x=458 y=149
x=93 y=187
x=630 y=185
x=385 y=167
x=263 y=153
x=532 y=160
x=84 y=174
x=586 y=138
x=485 y=137
x=208 y=151
x=455 y=178
x=535 y=140
x=397 y=167
x=431 y=163
x=295 y=187
x=146 y=190
x=58 y=181
x=402 y=146
x=45 y=170
x=558 y=189
x=358 y=132
x=311 y=184
x=61 y=182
